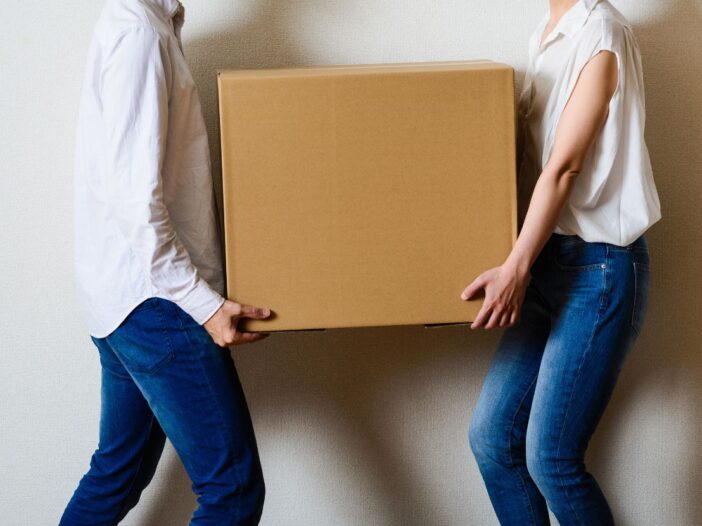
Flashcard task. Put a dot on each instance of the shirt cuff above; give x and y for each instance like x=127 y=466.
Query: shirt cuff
x=201 y=302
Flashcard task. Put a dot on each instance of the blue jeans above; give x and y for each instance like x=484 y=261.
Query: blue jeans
x=162 y=375
x=552 y=377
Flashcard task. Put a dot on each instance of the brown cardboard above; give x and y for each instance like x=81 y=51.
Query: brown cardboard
x=366 y=195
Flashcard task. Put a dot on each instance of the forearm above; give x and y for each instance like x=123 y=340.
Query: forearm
x=578 y=127
x=151 y=237
x=550 y=195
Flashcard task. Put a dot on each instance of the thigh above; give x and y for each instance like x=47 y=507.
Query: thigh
x=127 y=423
x=505 y=398
x=593 y=290
x=191 y=385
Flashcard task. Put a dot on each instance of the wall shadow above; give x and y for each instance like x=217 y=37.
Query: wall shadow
x=260 y=40
x=343 y=372
x=346 y=372
x=666 y=362
x=352 y=378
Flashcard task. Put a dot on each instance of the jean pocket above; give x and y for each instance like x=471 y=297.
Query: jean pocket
x=142 y=342
x=642 y=280
x=577 y=254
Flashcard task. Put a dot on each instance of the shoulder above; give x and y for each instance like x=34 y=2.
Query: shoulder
x=129 y=21
x=607 y=27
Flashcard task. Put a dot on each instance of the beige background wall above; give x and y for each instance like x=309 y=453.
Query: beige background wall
x=356 y=427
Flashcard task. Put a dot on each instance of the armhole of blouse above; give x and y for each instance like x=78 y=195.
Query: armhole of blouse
x=599 y=49
x=604 y=44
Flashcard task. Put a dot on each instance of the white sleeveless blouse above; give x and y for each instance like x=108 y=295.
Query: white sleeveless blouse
x=614 y=198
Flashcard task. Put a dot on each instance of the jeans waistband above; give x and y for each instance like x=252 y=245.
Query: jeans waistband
x=640 y=244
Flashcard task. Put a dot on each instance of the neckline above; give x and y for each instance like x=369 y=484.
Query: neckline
x=544 y=40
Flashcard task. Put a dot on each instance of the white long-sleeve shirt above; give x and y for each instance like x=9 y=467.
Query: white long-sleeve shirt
x=614 y=198
x=145 y=216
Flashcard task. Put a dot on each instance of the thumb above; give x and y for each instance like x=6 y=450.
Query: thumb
x=472 y=289
x=256 y=313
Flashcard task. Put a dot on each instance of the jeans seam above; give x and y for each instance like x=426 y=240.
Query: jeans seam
x=509 y=448
x=220 y=413
x=588 y=348
x=153 y=369
x=636 y=318
x=136 y=473
x=636 y=293
x=166 y=337
x=606 y=266
x=120 y=375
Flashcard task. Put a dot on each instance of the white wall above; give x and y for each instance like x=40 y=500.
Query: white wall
x=356 y=427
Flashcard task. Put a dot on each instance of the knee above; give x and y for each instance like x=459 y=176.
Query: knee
x=240 y=502
x=542 y=468
x=233 y=485
x=552 y=472
x=250 y=488
x=484 y=441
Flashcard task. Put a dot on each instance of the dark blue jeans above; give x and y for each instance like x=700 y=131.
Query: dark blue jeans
x=552 y=377
x=162 y=375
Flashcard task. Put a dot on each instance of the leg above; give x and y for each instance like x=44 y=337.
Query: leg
x=129 y=448
x=591 y=336
x=499 y=422
x=193 y=389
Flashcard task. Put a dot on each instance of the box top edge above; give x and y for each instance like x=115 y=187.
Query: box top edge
x=365 y=68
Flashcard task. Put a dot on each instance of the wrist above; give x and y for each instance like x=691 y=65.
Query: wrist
x=201 y=302
x=519 y=266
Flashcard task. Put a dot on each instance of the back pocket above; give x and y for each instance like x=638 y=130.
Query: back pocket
x=142 y=342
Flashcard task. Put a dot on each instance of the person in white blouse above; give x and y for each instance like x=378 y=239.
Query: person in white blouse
x=149 y=277
x=574 y=290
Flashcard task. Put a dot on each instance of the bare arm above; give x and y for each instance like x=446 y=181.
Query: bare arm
x=578 y=127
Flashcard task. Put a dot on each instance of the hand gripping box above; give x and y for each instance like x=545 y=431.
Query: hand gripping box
x=366 y=195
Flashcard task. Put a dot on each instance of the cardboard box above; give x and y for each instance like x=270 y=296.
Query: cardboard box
x=366 y=195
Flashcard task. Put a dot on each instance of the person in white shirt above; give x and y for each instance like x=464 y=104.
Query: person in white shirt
x=149 y=276
x=574 y=290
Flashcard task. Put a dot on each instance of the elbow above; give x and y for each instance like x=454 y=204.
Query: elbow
x=566 y=171
x=568 y=174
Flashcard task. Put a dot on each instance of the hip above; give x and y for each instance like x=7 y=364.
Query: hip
x=600 y=278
